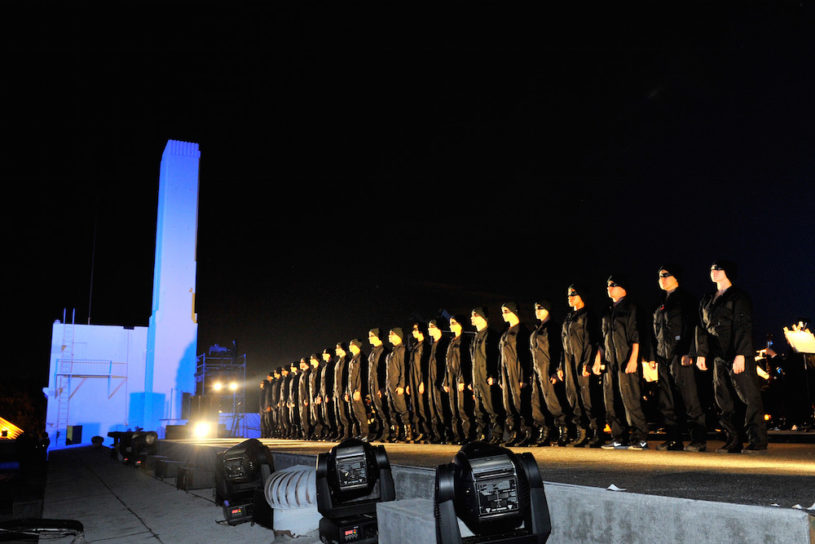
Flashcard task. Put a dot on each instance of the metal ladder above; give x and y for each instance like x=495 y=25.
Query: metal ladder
x=64 y=380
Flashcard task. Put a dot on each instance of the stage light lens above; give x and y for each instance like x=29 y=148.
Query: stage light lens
x=233 y=386
x=217 y=386
x=202 y=429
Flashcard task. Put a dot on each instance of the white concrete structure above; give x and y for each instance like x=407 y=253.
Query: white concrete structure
x=108 y=378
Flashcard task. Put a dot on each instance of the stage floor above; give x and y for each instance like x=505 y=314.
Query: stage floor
x=784 y=476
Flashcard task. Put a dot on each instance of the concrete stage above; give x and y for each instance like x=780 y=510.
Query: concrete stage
x=784 y=476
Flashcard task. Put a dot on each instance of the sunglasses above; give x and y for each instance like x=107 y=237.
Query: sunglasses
x=665 y=274
x=716 y=267
x=611 y=284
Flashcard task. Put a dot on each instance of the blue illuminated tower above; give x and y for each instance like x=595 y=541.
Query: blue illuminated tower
x=172 y=335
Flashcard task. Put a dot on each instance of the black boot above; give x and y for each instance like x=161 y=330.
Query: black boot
x=543 y=437
x=408 y=433
x=596 y=439
x=581 y=439
x=524 y=438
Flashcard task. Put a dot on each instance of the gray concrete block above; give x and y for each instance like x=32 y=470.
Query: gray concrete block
x=413 y=482
x=150 y=463
x=191 y=477
x=167 y=468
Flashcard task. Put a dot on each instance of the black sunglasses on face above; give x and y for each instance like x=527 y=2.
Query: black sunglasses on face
x=665 y=274
x=612 y=284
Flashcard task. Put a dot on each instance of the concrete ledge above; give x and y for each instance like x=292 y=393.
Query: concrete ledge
x=190 y=477
x=592 y=515
x=166 y=468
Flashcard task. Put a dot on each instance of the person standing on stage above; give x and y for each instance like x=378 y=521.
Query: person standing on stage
x=416 y=388
x=579 y=338
x=294 y=401
x=376 y=385
x=303 y=393
x=340 y=386
x=484 y=356
x=672 y=343
x=264 y=408
x=621 y=351
x=326 y=392
x=396 y=380
x=514 y=376
x=283 y=404
x=355 y=393
x=457 y=363
x=544 y=344
x=725 y=335
x=274 y=403
x=315 y=413
x=436 y=403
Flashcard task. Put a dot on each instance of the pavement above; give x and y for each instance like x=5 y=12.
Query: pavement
x=120 y=504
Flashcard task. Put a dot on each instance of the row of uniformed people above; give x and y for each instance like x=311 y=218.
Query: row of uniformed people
x=454 y=387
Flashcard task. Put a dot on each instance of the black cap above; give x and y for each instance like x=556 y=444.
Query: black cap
x=576 y=287
x=544 y=304
x=729 y=267
x=511 y=306
x=398 y=332
x=355 y=342
x=432 y=323
x=674 y=268
x=618 y=279
x=479 y=310
x=375 y=332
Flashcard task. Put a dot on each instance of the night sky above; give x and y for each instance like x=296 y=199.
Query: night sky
x=361 y=167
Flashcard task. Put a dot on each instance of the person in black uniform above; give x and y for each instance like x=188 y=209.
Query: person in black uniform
x=304 y=394
x=274 y=402
x=514 y=376
x=356 y=391
x=264 y=408
x=315 y=412
x=672 y=343
x=326 y=393
x=396 y=380
x=725 y=335
x=436 y=403
x=485 y=356
x=621 y=383
x=416 y=388
x=338 y=395
x=580 y=338
x=376 y=385
x=283 y=403
x=544 y=344
x=457 y=364
x=293 y=401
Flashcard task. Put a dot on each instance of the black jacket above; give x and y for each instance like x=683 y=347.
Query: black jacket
x=294 y=383
x=484 y=357
x=376 y=370
x=620 y=331
x=356 y=376
x=326 y=379
x=674 y=326
x=340 y=378
x=302 y=388
x=457 y=363
x=436 y=367
x=515 y=357
x=395 y=370
x=274 y=392
x=726 y=325
x=544 y=345
x=579 y=337
x=418 y=365
x=285 y=389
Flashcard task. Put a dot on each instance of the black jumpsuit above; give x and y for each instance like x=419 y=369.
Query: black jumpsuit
x=457 y=361
x=543 y=344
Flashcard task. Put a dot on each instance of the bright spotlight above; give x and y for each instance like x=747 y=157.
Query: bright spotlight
x=202 y=429
x=233 y=386
x=217 y=386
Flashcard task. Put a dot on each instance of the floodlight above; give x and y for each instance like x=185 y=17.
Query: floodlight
x=233 y=386
x=351 y=478
x=135 y=446
x=202 y=429
x=217 y=386
x=240 y=474
x=497 y=494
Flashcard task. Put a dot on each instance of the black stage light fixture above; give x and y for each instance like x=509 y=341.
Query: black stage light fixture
x=497 y=494
x=240 y=474
x=139 y=445
x=351 y=478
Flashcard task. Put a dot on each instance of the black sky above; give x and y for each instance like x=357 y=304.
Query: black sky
x=362 y=166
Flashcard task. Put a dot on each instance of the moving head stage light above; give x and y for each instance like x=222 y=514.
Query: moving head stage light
x=351 y=478
x=497 y=494
x=133 y=447
x=240 y=473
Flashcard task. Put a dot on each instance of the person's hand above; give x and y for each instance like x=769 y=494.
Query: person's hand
x=520 y=385
x=346 y=397
x=553 y=379
x=421 y=388
x=446 y=389
x=586 y=371
x=357 y=395
x=379 y=394
x=407 y=390
x=596 y=367
x=738 y=364
x=686 y=360
x=461 y=387
x=700 y=364
x=490 y=381
x=317 y=400
x=631 y=367
x=400 y=390
x=305 y=403
x=470 y=386
x=560 y=374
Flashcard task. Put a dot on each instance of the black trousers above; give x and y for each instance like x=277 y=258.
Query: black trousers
x=458 y=412
x=341 y=414
x=435 y=411
x=329 y=415
x=543 y=394
x=485 y=411
x=305 y=420
x=679 y=399
x=381 y=412
x=515 y=401
x=621 y=396
x=417 y=409
x=360 y=415
x=726 y=384
x=579 y=396
x=397 y=406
